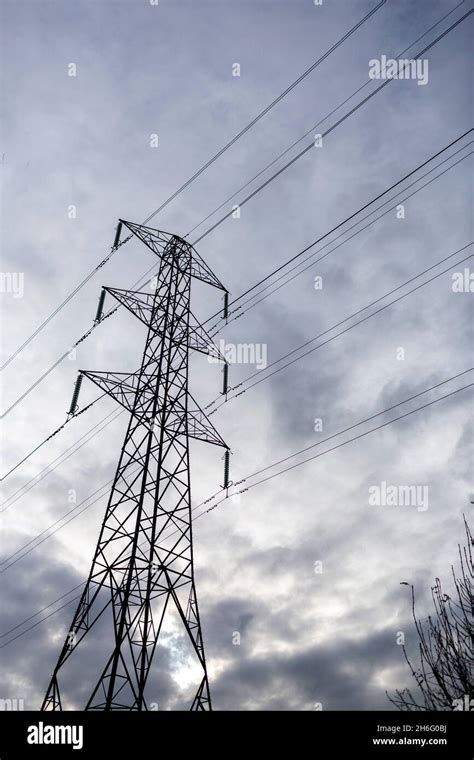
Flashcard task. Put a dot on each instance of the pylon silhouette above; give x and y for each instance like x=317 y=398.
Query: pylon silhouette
x=143 y=563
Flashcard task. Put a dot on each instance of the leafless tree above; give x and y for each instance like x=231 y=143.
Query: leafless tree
x=444 y=671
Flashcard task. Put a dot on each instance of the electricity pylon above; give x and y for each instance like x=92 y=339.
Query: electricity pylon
x=143 y=562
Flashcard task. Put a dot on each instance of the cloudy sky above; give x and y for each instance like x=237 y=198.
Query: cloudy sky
x=85 y=141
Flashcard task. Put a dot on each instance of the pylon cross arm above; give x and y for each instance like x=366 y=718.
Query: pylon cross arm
x=123 y=388
x=157 y=241
x=141 y=305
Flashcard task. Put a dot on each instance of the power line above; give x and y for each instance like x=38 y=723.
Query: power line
x=344 y=242
x=194 y=177
x=312 y=146
x=268 y=108
x=329 y=130
x=369 y=419
x=61 y=305
x=298 y=464
x=357 y=437
x=248 y=198
x=56 y=363
x=60 y=459
x=103 y=487
x=350 y=327
x=277 y=361
x=140 y=282
x=312 y=264
x=27 y=620
x=42 y=619
x=143 y=281
x=328 y=451
x=321 y=454
x=54 y=433
x=321 y=121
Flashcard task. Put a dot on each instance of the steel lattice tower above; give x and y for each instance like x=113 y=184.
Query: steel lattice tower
x=143 y=562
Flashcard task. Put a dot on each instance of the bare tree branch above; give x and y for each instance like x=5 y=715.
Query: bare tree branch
x=444 y=675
